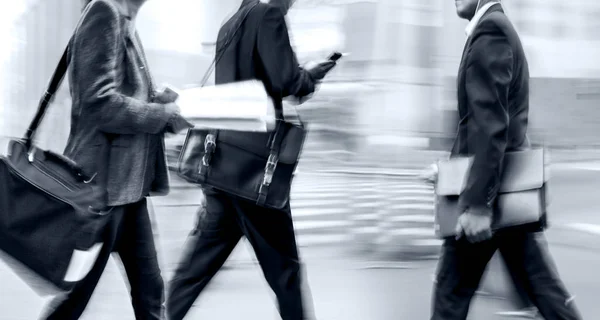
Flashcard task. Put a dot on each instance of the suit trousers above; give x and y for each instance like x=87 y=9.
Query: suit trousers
x=222 y=221
x=129 y=234
x=528 y=261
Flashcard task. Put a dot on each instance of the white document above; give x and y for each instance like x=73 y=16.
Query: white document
x=243 y=106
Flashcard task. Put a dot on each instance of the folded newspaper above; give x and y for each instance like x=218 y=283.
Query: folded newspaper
x=242 y=106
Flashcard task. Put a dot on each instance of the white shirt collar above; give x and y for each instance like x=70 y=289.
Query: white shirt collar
x=473 y=23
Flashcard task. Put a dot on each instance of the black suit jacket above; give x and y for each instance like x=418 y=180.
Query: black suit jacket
x=493 y=104
x=261 y=50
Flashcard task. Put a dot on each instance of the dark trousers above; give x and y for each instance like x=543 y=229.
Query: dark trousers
x=129 y=234
x=462 y=265
x=222 y=221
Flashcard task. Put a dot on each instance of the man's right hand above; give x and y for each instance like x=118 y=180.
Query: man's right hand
x=319 y=71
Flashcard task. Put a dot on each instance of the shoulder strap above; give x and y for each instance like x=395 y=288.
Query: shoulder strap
x=228 y=40
x=55 y=81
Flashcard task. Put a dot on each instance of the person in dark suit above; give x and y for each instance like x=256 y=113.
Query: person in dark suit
x=117 y=128
x=493 y=105
x=260 y=50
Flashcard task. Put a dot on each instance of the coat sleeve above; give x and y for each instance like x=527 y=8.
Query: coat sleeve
x=488 y=77
x=284 y=75
x=97 y=48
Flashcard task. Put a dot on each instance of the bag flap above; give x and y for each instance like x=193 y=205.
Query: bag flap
x=523 y=170
x=257 y=142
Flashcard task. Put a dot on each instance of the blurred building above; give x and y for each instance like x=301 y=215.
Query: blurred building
x=395 y=89
x=38 y=32
x=562 y=45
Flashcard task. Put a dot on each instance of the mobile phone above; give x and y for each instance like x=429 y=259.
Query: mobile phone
x=335 y=56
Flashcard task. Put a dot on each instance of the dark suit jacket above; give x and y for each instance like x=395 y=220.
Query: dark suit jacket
x=493 y=104
x=261 y=50
x=114 y=127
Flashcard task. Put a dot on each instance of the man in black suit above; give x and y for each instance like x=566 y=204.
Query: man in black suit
x=493 y=105
x=260 y=49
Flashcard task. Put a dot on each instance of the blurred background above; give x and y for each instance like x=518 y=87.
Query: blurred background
x=363 y=220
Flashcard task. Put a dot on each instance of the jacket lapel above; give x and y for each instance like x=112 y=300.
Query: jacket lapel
x=460 y=78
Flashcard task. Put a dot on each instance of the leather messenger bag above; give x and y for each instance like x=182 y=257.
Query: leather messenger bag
x=522 y=197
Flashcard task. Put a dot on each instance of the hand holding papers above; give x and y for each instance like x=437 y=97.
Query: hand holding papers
x=177 y=122
x=241 y=106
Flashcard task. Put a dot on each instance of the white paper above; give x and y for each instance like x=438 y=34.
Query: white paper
x=243 y=106
x=81 y=263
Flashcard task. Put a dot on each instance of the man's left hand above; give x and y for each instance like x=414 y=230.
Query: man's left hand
x=475 y=224
x=166 y=96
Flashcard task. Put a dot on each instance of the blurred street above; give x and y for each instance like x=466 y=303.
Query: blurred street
x=345 y=283
x=363 y=221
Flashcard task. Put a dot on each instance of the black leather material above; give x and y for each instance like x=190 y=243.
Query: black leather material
x=237 y=165
x=48 y=208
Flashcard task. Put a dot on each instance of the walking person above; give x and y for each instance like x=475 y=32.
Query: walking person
x=117 y=129
x=260 y=50
x=493 y=105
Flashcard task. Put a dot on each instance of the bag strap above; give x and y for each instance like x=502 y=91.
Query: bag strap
x=228 y=40
x=55 y=81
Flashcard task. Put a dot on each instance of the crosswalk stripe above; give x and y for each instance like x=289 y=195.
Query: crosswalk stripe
x=415 y=198
x=312 y=212
x=313 y=225
x=318 y=203
x=427 y=242
x=585 y=227
x=362 y=205
x=413 y=206
x=412 y=218
x=319 y=239
x=366 y=216
x=425 y=232
x=367 y=230
x=317 y=195
x=413 y=191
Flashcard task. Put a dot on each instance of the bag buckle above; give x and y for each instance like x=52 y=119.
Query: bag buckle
x=270 y=169
x=210 y=144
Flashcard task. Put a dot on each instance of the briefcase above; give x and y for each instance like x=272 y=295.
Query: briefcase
x=51 y=212
x=256 y=166
x=522 y=197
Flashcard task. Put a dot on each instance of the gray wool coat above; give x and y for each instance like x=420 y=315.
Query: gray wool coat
x=117 y=132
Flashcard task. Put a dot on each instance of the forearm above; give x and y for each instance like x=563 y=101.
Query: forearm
x=125 y=115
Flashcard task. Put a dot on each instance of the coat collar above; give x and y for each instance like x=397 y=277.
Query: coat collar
x=479 y=14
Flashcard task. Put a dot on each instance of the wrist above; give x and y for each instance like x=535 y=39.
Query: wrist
x=481 y=211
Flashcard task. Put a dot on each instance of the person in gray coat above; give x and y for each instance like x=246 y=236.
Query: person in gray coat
x=117 y=132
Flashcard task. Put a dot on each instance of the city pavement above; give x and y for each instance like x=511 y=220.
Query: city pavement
x=344 y=283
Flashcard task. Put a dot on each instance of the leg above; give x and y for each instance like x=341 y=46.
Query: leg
x=72 y=305
x=271 y=233
x=460 y=269
x=210 y=243
x=137 y=251
x=528 y=260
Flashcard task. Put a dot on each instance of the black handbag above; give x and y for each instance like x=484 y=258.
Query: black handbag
x=48 y=220
x=256 y=166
